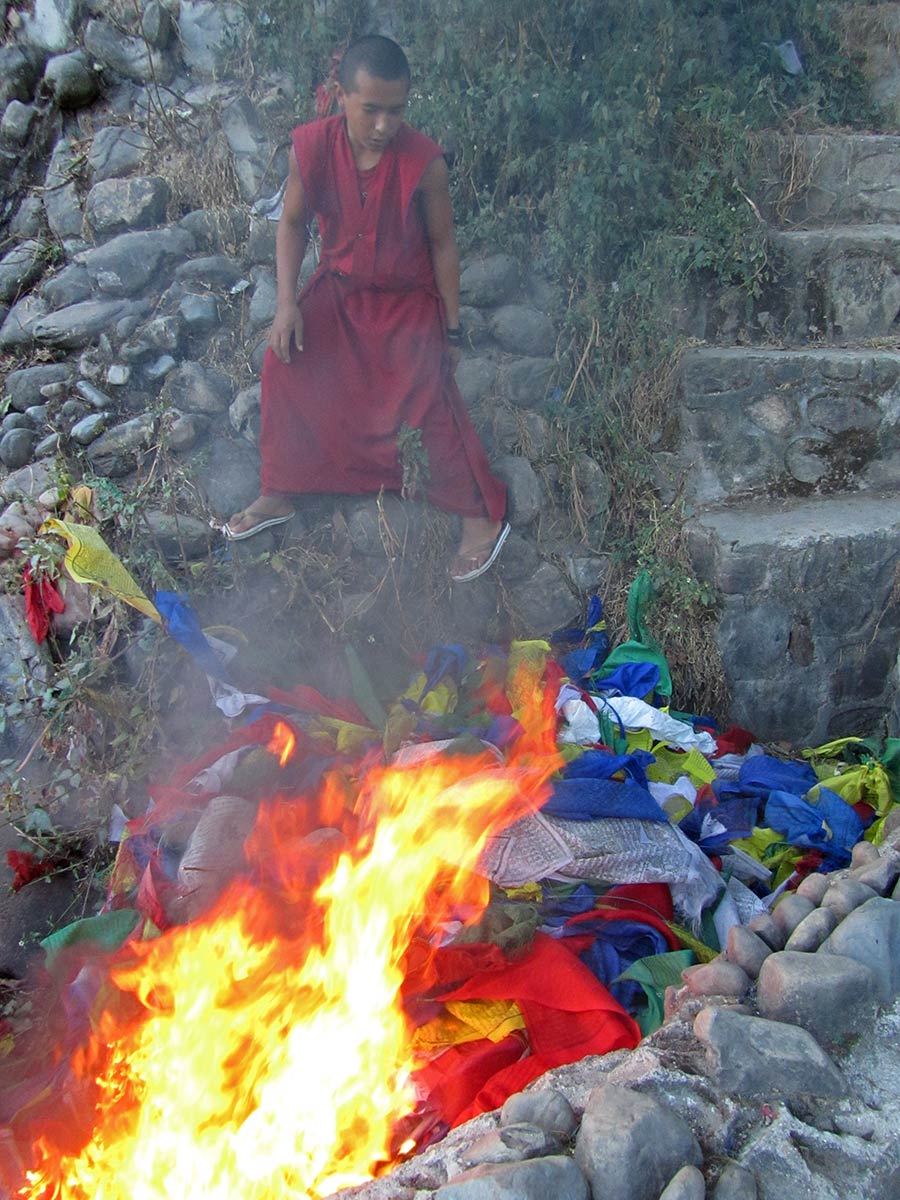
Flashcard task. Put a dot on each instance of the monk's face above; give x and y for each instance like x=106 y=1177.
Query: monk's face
x=374 y=109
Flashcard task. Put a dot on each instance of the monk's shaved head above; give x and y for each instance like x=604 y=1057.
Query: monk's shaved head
x=376 y=55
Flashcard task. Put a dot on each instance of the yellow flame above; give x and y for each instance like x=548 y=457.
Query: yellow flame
x=263 y=1053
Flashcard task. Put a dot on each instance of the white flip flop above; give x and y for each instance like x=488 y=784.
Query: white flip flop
x=504 y=533
x=266 y=523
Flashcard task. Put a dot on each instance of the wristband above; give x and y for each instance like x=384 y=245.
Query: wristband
x=455 y=336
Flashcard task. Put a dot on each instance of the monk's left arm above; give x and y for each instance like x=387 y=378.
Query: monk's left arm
x=438 y=213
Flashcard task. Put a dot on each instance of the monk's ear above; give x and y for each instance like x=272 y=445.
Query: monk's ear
x=340 y=96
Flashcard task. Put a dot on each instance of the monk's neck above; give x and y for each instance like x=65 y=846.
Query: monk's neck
x=364 y=158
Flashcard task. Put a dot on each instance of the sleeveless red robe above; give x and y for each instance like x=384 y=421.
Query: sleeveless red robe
x=375 y=354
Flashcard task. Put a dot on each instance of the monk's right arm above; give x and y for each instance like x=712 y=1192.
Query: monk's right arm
x=290 y=246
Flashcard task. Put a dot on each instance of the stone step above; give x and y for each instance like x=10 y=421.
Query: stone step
x=817 y=179
x=810 y=621
x=842 y=282
x=753 y=421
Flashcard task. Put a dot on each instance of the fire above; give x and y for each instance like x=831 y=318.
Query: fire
x=283 y=743
x=264 y=1052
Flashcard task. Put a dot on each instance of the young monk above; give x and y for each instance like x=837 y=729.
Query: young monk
x=370 y=345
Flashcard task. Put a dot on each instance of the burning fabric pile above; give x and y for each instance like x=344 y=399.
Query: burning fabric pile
x=346 y=930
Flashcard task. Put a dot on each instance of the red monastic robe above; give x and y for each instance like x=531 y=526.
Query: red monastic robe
x=375 y=355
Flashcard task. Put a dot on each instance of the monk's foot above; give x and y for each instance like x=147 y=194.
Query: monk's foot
x=264 y=513
x=480 y=544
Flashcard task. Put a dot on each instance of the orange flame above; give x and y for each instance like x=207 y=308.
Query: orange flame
x=283 y=743
x=263 y=1052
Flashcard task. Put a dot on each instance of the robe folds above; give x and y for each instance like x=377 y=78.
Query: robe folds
x=375 y=354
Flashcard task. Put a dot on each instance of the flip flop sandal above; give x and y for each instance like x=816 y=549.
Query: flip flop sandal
x=505 y=531
x=265 y=523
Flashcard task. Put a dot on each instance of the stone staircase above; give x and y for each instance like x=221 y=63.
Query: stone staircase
x=791 y=453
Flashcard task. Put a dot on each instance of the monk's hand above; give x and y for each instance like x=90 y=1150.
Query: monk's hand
x=288 y=324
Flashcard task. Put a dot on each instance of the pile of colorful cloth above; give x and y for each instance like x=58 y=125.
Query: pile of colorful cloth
x=658 y=833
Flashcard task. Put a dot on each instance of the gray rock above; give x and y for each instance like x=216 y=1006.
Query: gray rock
x=545 y=601
x=249 y=147
x=813 y=887
x=70 y=286
x=525 y=382
x=117 y=205
x=79 y=324
x=855 y=1124
x=132 y=261
x=523 y=330
x=195 y=388
x=28 y=219
x=863 y=854
x=519 y=431
x=71 y=412
x=210 y=32
x=264 y=301
x=38 y=413
x=200 y=313
x=717 y=978
x=536 y=1179
x=17 y=330
x=130 y=57
x=546 y=1108
x=475 y=378
x=229 y=476
x=23 y=387
x=789 y=912
x=117 y=150
x=871 y=936
x=215 y=230
x=746 y=949
x=735 y=1183
x=16 y=448
x=687 y=1184
x=829 y=995
x=114 y=449
x=587 y=571
x=260 y=248
x=487 y=282
x=243 y=413
x=70 y=81
x=880 y=875
x=812 y=931
x=157 y=25
x=750 y=1056
x=20 y=69
x=162 y=333
x=51 y=23
x=62 y=205
x=844 y=895
x=524 y=495
x=213 y=271
x=19 y=268
x=594 y=486
x=17 y=121
x=28 y=482
x=47 y=445
x=160 y=368
x=511 y=1143
x=629 y=1145
x=16 y=420
x=178 y=536
x=118 y=374
x=89 y=428
x=184 y=429
x=763 y=926
x=520 y=559
x=476 y=330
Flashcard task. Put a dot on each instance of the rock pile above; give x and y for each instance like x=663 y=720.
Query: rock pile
x=753 y=1089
